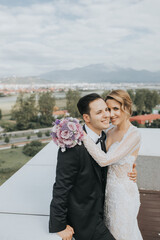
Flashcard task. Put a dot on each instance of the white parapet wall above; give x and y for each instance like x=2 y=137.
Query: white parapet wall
x=25 y=197
x=150 y=144
x=148 y=161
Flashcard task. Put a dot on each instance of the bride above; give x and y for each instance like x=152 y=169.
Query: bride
x=122 y=200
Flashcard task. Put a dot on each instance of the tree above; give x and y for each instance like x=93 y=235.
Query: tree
x=48 y=133
x=24 y=111
x=72 y=97
x=6 y=140
x=140 y=100
x=104 y=94
x=153 y=124
x=148 y=101
x=31 y=149
x=131 y=94
x=145 y=100
x=8 y=126
x=39 y=134
x=0 y=114
x=151 y=100
x=13 y=146
x=46 y=103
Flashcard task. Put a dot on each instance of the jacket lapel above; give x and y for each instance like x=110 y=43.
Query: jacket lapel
x=97 y=168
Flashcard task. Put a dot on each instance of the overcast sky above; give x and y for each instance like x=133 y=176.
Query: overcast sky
x=38 y=36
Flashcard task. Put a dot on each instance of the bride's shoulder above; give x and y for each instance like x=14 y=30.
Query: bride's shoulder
x=135 y=130
x=108 y=130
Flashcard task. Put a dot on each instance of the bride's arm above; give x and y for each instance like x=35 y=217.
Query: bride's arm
x=126 y=146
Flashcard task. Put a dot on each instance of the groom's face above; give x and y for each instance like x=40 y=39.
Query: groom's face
x=99 y=116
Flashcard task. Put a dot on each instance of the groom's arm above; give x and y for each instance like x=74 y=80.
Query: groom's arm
x=66 y=173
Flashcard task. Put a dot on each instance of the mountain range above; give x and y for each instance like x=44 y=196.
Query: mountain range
x=95 y=73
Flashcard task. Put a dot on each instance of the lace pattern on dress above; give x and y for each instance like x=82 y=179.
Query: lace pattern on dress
x=129 y=143
x=122 y=199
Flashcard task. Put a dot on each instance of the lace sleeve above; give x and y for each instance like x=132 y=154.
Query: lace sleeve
x=127 y=146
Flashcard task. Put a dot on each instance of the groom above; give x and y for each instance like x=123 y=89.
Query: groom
x=78 y=194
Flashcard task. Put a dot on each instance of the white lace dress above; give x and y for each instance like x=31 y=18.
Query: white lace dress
x=122 y=199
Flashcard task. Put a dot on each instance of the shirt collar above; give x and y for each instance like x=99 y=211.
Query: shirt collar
x=94 y=136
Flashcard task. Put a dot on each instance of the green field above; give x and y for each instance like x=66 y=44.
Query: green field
x=11 y=160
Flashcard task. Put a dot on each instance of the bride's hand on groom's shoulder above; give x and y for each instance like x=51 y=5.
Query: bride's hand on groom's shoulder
x=84 y=133
x=67 y=233
x=133 y=175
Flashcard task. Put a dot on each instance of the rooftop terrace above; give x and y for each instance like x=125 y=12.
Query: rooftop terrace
x=26 y=196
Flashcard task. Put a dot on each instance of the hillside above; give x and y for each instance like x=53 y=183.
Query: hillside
x=90 y=74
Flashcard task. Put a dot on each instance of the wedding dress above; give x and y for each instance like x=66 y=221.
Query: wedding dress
x=122 y=199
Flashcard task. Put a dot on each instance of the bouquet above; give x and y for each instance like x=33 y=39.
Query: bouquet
x=67 y=133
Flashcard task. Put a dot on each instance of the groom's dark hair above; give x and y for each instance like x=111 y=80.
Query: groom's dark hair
x=83 y=103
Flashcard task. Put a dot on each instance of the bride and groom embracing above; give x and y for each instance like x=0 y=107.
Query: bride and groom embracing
x=95 y=196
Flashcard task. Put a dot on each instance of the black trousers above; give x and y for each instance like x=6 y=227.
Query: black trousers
x=102 y=232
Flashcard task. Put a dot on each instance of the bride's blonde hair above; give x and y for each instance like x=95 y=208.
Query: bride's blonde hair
x=123 y=98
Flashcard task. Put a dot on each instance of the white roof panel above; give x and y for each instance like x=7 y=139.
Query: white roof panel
x=47 y=156
x=25 y=227
x=29 y=191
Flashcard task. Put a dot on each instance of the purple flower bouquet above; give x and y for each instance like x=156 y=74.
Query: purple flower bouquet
x=67 y=133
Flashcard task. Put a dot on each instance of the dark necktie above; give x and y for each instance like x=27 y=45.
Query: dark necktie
x=103 y=174
x=102 y=141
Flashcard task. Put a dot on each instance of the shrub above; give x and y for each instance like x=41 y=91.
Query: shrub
x=31 y=149
x=135 y=123
x=34 y=125
x=39 y=134
x=47 y=133
x=8 y=127
x=6 y=139
x=13 y=146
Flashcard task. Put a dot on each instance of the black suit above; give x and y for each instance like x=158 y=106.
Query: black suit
x=78 y=194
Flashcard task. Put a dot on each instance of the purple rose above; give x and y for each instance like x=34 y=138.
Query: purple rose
x=72 y=126
x=57 y=121
x=68 y=141
x=58 y=132
x=53 y=134
x=55 y=141
x=77 y=135
x=65 y=134
x=71 y=134
x=64 y=127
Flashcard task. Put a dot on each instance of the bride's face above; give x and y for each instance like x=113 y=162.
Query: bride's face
x=117 y=116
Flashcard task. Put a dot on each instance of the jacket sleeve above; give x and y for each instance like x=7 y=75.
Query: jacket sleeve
x=127 y=146
x=66 y=173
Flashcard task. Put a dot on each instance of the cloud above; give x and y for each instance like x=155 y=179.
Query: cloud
x=59 y=34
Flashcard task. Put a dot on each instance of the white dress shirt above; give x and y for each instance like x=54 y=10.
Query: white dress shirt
x=94 y=136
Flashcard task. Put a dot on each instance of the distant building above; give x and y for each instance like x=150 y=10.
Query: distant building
x=142 y=119
x=156 y=109
x=63 y=113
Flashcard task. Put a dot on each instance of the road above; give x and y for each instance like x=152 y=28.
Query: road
x=21 y=141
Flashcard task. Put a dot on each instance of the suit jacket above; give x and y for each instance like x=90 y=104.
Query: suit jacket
x=78 y=193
